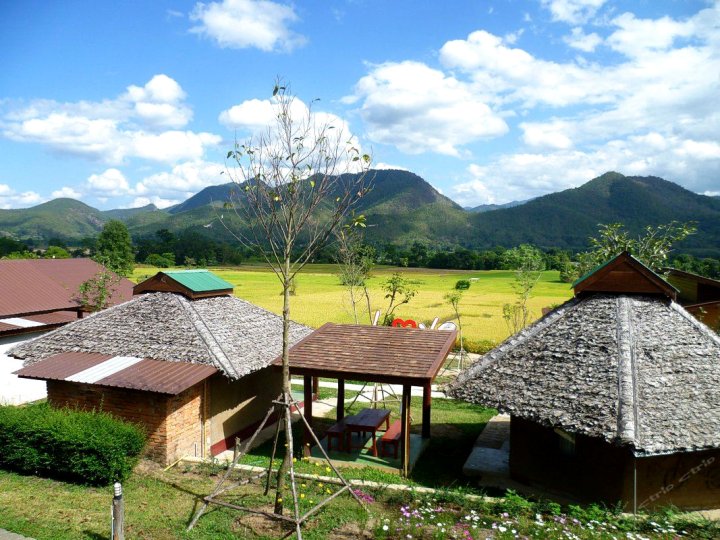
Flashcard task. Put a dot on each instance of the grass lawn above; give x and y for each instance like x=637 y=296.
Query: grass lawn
x=159 y=505
x=320 y=298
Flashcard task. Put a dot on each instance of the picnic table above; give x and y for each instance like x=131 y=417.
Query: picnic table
x=366 y=421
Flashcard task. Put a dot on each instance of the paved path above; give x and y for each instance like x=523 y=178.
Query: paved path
x=14 y=390
x=6 y=535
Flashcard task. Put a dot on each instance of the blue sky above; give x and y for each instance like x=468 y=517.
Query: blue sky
x=124 y=103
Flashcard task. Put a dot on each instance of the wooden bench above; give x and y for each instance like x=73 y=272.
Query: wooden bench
x=336 y=431
x=392 y=438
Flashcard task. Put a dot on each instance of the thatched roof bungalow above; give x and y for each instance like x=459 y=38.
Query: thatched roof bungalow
x=190 y=363
x=613 y=396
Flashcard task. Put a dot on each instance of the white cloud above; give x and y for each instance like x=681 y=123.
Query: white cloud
x=573 y=11
x=650 y=111
x=548 y=135
x=172 y=146
x=66 y=192
x=253 y=114
x=189 y=177
x=112 y=131
x=241 y=24
x=110 y=182
x=388 y=166
x=582 y=41
x=9 y=198
x=526 y=175
x=159 y=102
x=258 y=119
x=637 y=37
x=420 y=109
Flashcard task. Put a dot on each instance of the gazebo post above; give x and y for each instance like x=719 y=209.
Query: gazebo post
x=316 y=386
x=427 y=403
x=307 y=412
x=340 y=410
x=405 y=431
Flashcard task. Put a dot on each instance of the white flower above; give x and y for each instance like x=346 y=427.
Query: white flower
x=502 y=529
x=385 y=527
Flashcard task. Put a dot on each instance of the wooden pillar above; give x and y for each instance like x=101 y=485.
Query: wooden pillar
x=307 y=411
x=405 y=431
x=316 y=386
x=427 y=403
x=340 y=410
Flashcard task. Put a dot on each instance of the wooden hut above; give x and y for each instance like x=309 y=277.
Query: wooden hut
x=613 y=396
x=698 y=294
x=190 y=363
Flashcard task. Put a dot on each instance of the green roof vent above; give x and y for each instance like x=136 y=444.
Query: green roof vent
x=191 y=283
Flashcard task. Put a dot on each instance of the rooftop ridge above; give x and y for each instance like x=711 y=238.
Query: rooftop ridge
x=214 y=347
x=627 y=389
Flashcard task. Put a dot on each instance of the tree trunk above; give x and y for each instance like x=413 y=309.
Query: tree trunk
x=285 y=466
x=367 y=298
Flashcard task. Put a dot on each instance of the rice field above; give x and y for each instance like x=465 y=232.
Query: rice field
x=320 y=297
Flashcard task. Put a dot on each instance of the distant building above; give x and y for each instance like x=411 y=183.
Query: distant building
x=613 y=396
x=698 y=294
x=184 y=358
x=36 y=296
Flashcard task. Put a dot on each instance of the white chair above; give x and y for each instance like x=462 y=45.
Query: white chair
x=448 y=326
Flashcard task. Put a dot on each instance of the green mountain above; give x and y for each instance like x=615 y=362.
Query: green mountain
x=488 y=207
x=60 y=218
x=566 y=219
x=402 y=208
x=124 y=214
x=210 y=195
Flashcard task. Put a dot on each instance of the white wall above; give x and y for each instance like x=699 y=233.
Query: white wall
x=14 y=390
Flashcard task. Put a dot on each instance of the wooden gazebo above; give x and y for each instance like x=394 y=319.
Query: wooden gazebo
x=404 y=356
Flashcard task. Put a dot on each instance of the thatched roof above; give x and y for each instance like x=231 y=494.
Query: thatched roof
x=233 y=335
x=634 y=370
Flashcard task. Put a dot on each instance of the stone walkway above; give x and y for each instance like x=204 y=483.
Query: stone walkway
x=6 y=535
x=489 y=459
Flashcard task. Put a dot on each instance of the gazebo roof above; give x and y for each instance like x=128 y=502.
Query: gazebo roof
x=372 y=353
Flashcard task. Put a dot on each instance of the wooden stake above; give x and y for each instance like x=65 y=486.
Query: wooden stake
x=427 y=403
x=118 y=514
x=405 y=431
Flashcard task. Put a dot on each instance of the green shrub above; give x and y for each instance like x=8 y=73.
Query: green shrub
x=462 y=285
x=82 y=447
x=478 y=346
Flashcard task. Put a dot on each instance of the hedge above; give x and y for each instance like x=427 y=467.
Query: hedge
x=82 y=447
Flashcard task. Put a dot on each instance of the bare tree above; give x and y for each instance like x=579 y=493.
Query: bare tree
x=355 y=260
x=297 y=182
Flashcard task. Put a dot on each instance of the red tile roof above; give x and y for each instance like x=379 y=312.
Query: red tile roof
x=145 y=374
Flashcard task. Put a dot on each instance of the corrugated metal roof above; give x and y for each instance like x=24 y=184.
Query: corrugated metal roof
x=199 y=280
x=42 y=285
x=42 y=322
x=25 y=289
x=372 y=353
x=108 y=370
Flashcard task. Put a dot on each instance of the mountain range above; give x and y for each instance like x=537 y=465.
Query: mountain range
x=402 y=208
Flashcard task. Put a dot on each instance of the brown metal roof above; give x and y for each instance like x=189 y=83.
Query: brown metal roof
x=148 y=375
x=49 y=321
x=44 y=285
x=372 y=353
x=62 y=366
x=25 y=289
